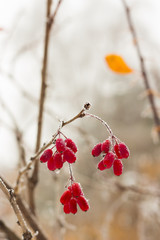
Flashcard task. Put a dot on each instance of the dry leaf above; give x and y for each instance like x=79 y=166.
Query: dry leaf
x=117 y=64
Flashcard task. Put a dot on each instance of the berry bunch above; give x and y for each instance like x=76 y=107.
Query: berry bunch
x=65 y=152
x=112 y=152
x=73 y=196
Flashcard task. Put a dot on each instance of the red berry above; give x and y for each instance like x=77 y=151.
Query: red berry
x=73 y=205
x=58 y=160
x=71 y=145
x=60 y=145
x=47 y=154
x=117 y=167
x=69 y=156
x=116 y=149
x=123 y=149
x=51 y=164
x=96 y=151
x=66 y=196
x=66 y=208
x=70 y=189
x=109 y=159
x=76 y=190
x=101 y=166
x=83 y=203
x=106 y=146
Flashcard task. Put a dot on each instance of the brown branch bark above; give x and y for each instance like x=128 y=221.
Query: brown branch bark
x=28 y=216
x=34 y=178
x=30 y=219
x=142 y=66
x=8 y=232
x=9 y=193
x=19 y=139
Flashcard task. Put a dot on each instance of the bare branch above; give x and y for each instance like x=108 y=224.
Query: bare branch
x=29 y=217
x=8 y=232
x=19 y=140
x=9 y=193
x=142 y=66
x=139 y=190
x=33 y=180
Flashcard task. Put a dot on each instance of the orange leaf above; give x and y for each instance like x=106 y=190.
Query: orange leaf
x=117 y=64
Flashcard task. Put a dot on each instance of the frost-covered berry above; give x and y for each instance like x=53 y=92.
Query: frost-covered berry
x=116 y=149
x=83 y=203
x=96 y=151
x=66 y=196
x=109 y=159
x=47 y=154
x=101 y=165
x=69 y=143
x=66 y=208
x=106 y=146
x=117 y=167
x=73 y=205
x=58 y=160
x=60 y=145
x=123 y=149
x=76 y=190
x=51 y=164
x=69 y=156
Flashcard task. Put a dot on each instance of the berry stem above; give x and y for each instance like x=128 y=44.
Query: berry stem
x=71 y=173
x=102 y=121
x=63 y=134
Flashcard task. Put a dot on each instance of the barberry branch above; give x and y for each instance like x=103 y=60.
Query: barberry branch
x=143 y=67
x=29 y=217
x=34 y=158
x=9 y=193
x=8 y=232
x=33 y=180
x=19 y=138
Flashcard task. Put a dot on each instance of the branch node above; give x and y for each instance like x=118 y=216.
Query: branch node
x=87 y=106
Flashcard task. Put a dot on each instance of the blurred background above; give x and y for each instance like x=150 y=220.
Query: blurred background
x=83 y=34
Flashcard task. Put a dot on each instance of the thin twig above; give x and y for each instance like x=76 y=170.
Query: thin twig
x=50 y=20
x=9 y=193
x=142 y=66
x=102 y=121
x=142 y=191
x=19 y=139
x=8 y=232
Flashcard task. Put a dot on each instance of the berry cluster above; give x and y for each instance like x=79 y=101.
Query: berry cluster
x=112 y=152
x=65 y=152
x=73 y=196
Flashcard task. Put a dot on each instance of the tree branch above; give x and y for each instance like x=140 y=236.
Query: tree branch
x=8 y=232
x=9 y=193
x=19 y=139
x=142 y=66
x=34 y=178
x=34 y=158
x=29 y=217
